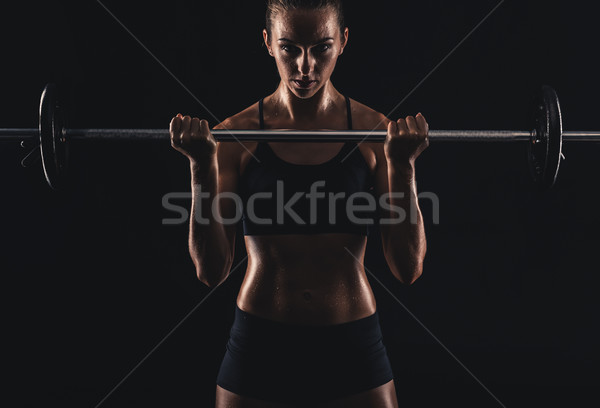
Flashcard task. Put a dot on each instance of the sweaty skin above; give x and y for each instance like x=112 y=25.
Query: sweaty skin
x=314 y=279
x=305 y=279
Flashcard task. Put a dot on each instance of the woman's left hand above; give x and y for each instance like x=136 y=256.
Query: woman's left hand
x=406 y=139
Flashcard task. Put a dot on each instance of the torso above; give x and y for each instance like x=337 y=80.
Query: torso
x=314 y=279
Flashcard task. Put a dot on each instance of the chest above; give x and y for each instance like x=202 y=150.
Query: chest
x=269 y=176
x=306 y=153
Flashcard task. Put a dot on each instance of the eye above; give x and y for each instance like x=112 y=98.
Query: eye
x=288 y=48
x=322 y=48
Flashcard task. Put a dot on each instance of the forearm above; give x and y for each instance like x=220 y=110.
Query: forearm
x=405 y=244
x=208 y=244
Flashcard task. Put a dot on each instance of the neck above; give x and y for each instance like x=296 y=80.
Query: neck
x=299 y=109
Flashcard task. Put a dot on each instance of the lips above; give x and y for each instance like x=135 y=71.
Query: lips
x=304 y=84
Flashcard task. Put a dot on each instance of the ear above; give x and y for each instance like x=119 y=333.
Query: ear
x=267 y=41
x=344 y=40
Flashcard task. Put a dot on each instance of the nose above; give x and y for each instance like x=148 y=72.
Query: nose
x=305 y=63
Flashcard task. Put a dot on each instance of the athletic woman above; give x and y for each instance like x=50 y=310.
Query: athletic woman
x=306 y=329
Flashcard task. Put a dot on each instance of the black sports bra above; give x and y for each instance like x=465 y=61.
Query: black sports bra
x=280 y=197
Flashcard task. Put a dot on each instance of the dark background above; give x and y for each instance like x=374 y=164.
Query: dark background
x=92 y=281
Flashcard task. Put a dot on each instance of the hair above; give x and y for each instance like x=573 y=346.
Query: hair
x=276 y=6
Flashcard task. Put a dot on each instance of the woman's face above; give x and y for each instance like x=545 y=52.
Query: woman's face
x=306 y=45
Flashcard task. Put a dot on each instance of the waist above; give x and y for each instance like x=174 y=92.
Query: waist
x=307 y=315
x=321 y=255
x=306 y=278
x=248 y=322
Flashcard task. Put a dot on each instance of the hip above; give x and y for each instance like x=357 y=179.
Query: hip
x=285 y=362
x=330 y=302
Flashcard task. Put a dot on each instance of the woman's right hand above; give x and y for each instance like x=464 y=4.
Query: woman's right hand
x=192 y=137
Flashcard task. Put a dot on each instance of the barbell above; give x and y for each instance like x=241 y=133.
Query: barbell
x=544 y=139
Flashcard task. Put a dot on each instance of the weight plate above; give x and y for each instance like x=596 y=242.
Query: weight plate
x=53 y=145
x=545 y=147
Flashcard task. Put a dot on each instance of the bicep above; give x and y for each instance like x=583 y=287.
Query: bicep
x=381 y=182
x=381 y=190
x=227 y=188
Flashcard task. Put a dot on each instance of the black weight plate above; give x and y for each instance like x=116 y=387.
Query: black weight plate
x=546 y=148
x=53 y=146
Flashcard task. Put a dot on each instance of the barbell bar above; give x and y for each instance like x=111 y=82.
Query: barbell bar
x=544 y=139
x=274 y=135
x=18 y=134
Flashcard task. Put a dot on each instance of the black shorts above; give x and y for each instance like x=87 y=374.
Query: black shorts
x=288 y=363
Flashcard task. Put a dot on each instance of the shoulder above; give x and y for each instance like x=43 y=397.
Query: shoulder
x=366 y=118
x=232 y=153
x=246 y=119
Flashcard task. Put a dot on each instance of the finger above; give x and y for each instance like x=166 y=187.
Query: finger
x=195 y=128
x=205 y=130
x=422 y=123
x=392 y=129
x=402 y=127
x=175 y=125
x=412 y=126
x=185 y=124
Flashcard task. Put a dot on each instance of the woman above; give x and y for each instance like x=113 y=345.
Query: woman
x=306 y=328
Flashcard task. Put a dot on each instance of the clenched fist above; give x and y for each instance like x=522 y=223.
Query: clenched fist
x=406 y=139
x=192 y=137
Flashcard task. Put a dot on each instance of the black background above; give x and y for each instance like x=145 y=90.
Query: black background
x=92 y=281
